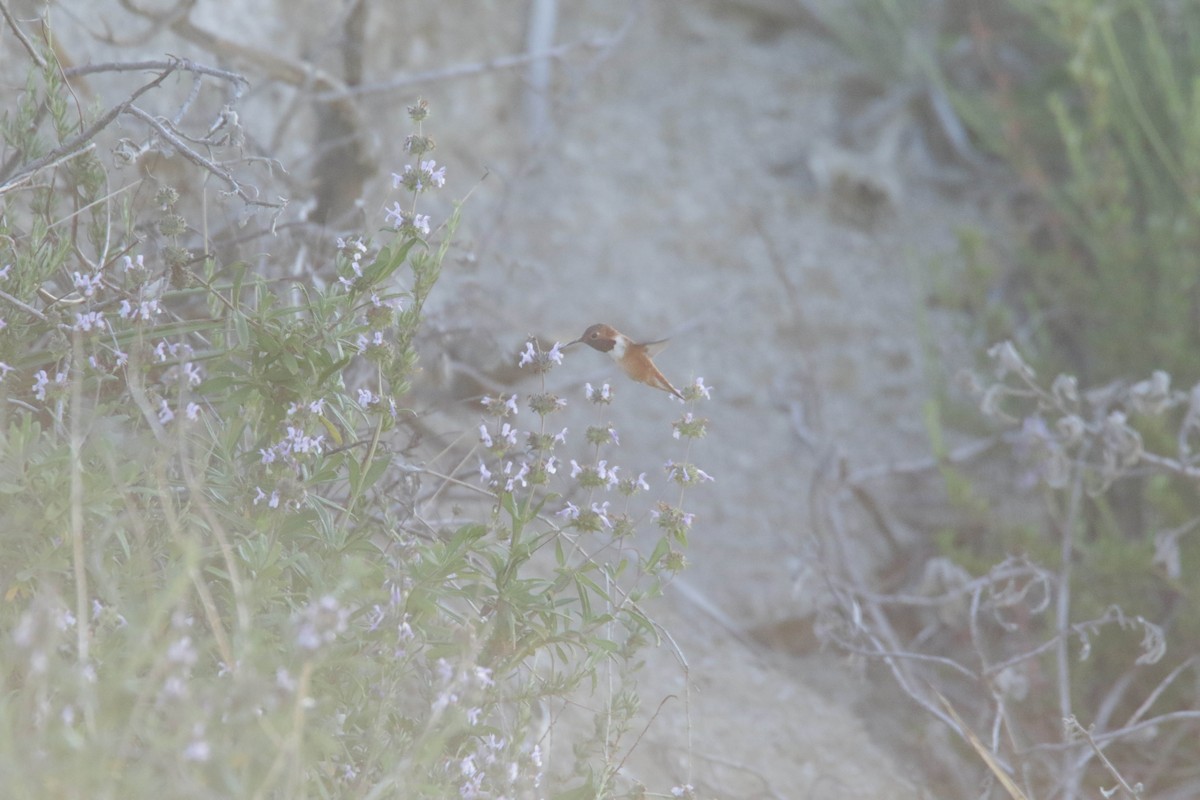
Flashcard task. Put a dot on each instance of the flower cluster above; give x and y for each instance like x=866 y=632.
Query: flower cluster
x=42 y=382
x=592 y=518
x=380 y=315
x=685 y=474
x=407 y=221
x=296 y=443
x=181 y=657
x=485 y=764
x=390 y=623
x=417 y=144
x=600 y=396
x=419 y=179
x=181 y=374
x=492 y=768
x=85 y=313
x=594 y=477
x=142 y=300
x=40 y=634
x=600 y=435
x=673 y=520
x=89 y=321
x=502 y=439
x=416 y=179
x=88 y=284
x=459 y=683
x=689 y=426
x=183 y=368
x=697 y=390
x=283 y=461
x=593 y=515
x=519 y=459
x=321 y=622
x=351 y=253
x=141 y=309
x=539 y=360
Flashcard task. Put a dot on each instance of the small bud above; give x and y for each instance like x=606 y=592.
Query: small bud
x=172 y=225
x=601 y=435
x=166 y=197
x=989 y=404
x=589 y=477
x=675 y=521
x=543 y=404
x=1121 y=441
x=419 y=145
x=419 y=111
x=697 y=390
x=968 y=382
x=689 y=427
x=180 y=277
x=1008 y=360
x=380 y=316
x=1065 y=390
x=1056 y=467
x=1071 y=428
x=176 y=257
x=1151 y=396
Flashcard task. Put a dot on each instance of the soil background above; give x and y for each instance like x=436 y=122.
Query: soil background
x=679 y=170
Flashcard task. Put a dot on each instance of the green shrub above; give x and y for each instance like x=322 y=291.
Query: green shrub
x=1108 y=137
x=220 y=574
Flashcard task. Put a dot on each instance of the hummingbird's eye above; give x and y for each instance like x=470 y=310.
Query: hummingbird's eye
x=595 y=335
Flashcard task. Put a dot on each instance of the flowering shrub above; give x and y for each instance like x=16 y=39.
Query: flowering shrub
x=220 y=574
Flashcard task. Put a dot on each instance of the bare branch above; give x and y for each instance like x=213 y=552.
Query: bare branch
x=1189 y=471
x=1072 y=725
x=598 y=43
x=1062 y=612
x=191 y=155
x=77 y=143
x=28 y=309
x=21 y=37
x=17 y=181
x=1158 y=690
x=448 y=73
x=181 y=64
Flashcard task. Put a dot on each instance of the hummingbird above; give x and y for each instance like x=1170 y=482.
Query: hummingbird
x=633 y=358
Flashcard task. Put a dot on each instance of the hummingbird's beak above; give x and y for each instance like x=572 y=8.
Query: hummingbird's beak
x=577 y=341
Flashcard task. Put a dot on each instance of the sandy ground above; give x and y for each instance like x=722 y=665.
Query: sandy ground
x=687 y=183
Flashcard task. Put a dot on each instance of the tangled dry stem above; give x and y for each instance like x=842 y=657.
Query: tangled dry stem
x=984 y=668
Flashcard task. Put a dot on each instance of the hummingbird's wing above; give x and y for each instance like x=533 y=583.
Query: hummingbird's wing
x=655 y=347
